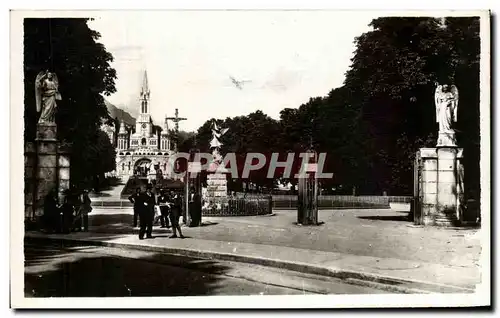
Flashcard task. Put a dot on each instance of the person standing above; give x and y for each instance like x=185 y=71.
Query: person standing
x=147 y=213
x=175 y=213
x=68 y=210
x=164 y=209
x=85 y=209
x=136 y=200
x=51 y=215
x=194 y=206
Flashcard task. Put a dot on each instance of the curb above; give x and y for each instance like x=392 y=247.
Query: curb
x=386 y=283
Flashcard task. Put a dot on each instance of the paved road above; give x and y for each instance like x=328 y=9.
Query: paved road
x=85 y=271
x=365 y=232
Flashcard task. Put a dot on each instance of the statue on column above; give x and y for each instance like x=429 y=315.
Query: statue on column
x=446 y=98
x=46 y=92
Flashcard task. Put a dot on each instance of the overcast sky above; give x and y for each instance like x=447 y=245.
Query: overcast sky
x=286 y=57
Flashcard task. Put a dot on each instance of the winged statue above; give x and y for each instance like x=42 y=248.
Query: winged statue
x=46 y=93
x=446 y=99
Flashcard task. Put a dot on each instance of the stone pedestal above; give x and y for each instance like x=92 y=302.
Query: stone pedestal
x=216 y=194
x=47 y=165
x=439 y=186
x=46 y=169
x=63 y=169
x=29 y=179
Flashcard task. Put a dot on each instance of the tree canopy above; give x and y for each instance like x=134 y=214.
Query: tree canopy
x=68 y=47
x=372 y=126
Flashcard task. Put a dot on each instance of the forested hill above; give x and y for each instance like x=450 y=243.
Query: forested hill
x=116 y=112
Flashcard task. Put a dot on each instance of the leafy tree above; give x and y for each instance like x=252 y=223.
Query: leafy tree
x=68 y=47
x=392 y=79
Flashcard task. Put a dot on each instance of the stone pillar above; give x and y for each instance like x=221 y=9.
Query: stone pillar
x=63 y=170
x=29 y=179
x=440 y=186
x=46 y=170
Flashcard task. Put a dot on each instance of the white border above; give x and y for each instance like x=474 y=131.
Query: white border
x=481 y=297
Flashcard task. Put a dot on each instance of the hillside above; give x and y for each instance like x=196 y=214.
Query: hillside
x=122 y=115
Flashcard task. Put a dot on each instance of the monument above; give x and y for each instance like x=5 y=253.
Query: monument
x=47 y=161
x=439 y=172
x=216 y=177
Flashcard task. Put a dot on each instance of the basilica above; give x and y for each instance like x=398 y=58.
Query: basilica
x=142 y=150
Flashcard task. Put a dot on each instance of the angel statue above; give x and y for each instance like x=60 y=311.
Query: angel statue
x=446 y=98
x=46 y=92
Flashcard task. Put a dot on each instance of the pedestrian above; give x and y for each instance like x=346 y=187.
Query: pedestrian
x=175 y=213
x=146 y=213
x=135 y=199
x=164 y=209
x=68 y=210
x=51 y=215
x=85 y=209
x=194 y=206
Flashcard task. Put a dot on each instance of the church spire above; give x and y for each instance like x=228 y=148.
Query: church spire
x=145 y=87
x=144 y=99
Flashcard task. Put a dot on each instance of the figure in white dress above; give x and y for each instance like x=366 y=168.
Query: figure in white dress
x=446 y=98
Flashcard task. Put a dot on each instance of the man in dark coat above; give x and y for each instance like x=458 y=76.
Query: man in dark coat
x=51 y=213
x=164 y=208
x=175 y=213
x=146 y=213
x=194 y=206
x=136 y=200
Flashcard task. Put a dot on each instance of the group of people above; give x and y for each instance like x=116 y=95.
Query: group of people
x=170 y=205
x=71 y=215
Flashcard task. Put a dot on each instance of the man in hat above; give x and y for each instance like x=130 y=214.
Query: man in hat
x=164 y=208
x=85 y=209
x=194 y=206
x=147 y=213
x=136 y=200
x=175 y=213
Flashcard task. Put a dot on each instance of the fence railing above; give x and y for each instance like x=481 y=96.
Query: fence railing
x=244 y=202
x=235 y=206
x=341 y=201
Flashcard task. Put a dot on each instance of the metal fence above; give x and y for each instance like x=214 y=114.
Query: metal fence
x=251 y=204
x=236 y=206
x=341 y=201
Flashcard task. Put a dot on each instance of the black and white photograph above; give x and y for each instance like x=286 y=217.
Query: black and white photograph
x=336 y=159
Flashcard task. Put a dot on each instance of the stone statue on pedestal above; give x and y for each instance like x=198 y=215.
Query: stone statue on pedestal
x=46 y=92
x=446 y=98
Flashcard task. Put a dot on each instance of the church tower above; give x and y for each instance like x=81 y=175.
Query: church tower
x=122 y=137
x=164 y=138
x=143 y=124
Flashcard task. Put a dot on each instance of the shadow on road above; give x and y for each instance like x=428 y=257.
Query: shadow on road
x=59 y=271
x=114 y=219
x=398 y=218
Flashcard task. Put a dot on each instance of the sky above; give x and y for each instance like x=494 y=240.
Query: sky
x=283 y=57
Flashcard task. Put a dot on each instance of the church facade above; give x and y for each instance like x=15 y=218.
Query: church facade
x=142 y=150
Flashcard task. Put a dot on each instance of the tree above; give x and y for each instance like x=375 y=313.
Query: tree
x=392 y=79
x=68 y=47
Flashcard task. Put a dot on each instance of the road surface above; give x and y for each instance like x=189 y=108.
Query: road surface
x=88 y=271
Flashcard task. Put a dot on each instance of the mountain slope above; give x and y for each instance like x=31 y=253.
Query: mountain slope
x=122 y=115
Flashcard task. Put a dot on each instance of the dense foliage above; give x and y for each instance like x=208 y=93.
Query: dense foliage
x=69 y=48
x=372 y=126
